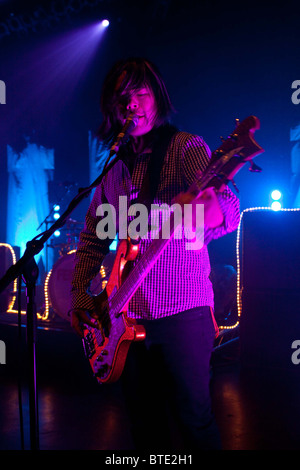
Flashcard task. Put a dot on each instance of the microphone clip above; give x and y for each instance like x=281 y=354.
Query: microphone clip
x=130 y=123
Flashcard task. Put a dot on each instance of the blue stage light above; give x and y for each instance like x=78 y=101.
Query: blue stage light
x=114 y=244
x=276 y=206
x=276 y=195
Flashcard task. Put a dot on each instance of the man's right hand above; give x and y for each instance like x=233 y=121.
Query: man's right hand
x=80 y=317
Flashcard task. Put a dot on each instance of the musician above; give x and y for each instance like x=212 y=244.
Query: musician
x=166 y=376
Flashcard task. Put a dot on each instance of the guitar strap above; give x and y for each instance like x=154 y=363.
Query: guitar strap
x=160 y=139
x=151 y=180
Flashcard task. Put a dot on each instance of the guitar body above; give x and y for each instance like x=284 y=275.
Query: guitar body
x=106 y=348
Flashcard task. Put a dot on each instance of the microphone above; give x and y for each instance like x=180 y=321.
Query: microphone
x=130 y=123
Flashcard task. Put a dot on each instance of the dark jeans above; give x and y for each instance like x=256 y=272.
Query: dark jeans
x=166 y=383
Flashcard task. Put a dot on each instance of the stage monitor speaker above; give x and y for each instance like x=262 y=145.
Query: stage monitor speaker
x=270 y=278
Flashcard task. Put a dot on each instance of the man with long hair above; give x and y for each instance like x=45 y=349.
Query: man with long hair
x=166 y=376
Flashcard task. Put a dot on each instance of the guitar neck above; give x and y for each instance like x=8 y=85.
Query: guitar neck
x=142 y=268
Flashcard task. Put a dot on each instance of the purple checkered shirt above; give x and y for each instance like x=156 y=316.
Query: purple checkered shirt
x=179 y=280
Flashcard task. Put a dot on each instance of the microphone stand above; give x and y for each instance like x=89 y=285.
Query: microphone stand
x=27 y=267
x=52 y=209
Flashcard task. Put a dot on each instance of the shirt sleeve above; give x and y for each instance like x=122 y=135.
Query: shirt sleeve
x=90 y=253
x=196 y=157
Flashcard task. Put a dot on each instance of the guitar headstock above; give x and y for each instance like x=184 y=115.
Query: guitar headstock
x=241 y=140
x=239 y=147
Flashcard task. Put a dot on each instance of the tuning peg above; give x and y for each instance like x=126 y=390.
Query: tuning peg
x=254 y=168
x=237 y=121
x=222 y=138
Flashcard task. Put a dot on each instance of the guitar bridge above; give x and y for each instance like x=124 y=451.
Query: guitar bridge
x=89 y=345
x=92 y=340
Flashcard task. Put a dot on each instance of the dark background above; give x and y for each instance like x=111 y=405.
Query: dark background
x=220 y=61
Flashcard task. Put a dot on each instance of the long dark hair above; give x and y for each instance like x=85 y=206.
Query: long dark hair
x=123 y=79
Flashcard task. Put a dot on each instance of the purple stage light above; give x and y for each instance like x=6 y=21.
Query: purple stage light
x=56 y=67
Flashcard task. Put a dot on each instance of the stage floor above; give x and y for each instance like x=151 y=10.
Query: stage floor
x=255 y=410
